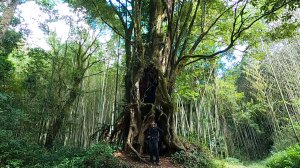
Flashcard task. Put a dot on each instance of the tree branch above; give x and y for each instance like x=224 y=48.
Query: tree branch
x=202 y=35
x=190 y=28
x=177 y=21
x=125 y=7
x=109 y=25
x=88 y=48
x=119 y=14
x=87 y=76
x=183 y=28
x=92 y=63
x=234 y=35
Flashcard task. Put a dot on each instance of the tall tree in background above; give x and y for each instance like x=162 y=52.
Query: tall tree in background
x=9 y=40
x=161 y=38
x=71 y=61
x=7 y=17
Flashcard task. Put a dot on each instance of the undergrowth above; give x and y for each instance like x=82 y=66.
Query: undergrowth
x=197 y=155
x=287 y=158
x=17 y=152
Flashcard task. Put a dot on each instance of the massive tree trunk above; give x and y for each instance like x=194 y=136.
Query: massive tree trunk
x=149 y=84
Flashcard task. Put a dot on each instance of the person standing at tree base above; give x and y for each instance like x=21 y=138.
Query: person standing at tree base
x=153 y=137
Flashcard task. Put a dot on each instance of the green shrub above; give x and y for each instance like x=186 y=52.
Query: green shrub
x=193 y=159
x=285 y=137
x=219 y=163
x=99 y=155
x=232 y=160
x=289 y=158
x=198 y=154
x=73 y=162
x=17 y=152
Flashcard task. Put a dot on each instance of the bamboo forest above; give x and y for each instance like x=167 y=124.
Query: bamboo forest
x=150 y=83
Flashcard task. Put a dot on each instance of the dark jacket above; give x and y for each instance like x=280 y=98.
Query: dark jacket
x=153 y=133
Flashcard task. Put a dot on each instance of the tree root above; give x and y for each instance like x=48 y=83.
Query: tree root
x=178 y=147
x=137 y=153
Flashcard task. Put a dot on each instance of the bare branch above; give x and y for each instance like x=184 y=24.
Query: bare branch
x=125 y=7
x=92 y=52
x=93 y=63
x=87 y=76
x=88 y=48
x=243 y=51
x=119 y=14
x=109 y=25
x=92 y=91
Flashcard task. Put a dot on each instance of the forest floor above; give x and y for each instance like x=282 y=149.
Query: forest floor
x=257 y=164
x=165 y=162
x=240 y=165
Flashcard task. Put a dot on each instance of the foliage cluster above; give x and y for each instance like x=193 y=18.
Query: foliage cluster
x=197 y=157
x=17 y=152
x=194 y=159
x=286 y=158
x=249 y=105
x=99 y=155
x=281 y=143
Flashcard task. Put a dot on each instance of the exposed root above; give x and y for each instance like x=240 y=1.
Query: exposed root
x=118 y=131
x=178 y=147
x=102 y=133
x=137 y=153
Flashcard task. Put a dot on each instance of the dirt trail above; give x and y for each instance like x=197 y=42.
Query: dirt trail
x=165 y=162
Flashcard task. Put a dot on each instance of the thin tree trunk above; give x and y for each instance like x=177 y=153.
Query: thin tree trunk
x=7 y=17
x=58 y=121
x=282 y=96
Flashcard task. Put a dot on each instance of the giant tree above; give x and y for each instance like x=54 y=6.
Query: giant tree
x=162 y=37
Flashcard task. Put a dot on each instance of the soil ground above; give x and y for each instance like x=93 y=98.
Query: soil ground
x=165 y=162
